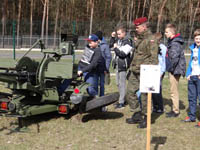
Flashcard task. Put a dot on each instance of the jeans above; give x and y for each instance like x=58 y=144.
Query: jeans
x=193 y=92
x=139 y=98
x=100 y=81
x=91 y=78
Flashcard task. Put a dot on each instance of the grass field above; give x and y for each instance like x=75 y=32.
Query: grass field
x=106 y=130
x=102 y=130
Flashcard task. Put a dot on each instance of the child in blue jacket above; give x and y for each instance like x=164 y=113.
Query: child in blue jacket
x=193 y=77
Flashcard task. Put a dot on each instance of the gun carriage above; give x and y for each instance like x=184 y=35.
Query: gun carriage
x=48 y=85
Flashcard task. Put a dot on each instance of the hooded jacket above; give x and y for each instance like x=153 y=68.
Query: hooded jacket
x=176 y=55
x=123 y=54
x=189 y=69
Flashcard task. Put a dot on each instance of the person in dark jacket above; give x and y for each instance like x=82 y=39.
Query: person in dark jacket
x=88 y=65
x=175 y=65
x=123 y=49
x=106 y=55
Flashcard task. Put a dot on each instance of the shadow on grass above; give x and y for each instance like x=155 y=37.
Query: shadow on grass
x=160 y=140
x=155 y=116
x=3 y=128
x=101 y=116
x=198 y=111
x=168 y=102
x=25 y=122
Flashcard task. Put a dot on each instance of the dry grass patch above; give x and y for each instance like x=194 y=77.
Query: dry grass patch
x=106 y=131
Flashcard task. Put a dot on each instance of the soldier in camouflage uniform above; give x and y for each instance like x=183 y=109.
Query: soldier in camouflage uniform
x=146 y=52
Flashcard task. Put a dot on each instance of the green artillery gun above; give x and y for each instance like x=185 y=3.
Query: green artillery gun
x=49 y=85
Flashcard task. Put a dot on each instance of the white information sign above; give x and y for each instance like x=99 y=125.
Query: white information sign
x=150 y=79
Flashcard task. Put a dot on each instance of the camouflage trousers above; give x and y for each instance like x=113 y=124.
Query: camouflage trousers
x=131 y=96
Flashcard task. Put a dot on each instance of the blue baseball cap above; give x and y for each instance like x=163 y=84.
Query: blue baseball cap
x=92 y=37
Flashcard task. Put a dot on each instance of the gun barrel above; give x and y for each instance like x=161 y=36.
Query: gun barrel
x=4 y=68
x=13 y=77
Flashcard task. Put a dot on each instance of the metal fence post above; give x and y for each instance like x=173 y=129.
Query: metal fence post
x=14 y=24
x=73 y=32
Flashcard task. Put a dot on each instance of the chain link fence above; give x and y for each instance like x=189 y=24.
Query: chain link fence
x=81 y=28
x=6 y=42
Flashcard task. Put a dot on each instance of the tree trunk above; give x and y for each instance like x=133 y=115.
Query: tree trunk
x=43 y=19
x=191 y=12
x=60 y=22
x=56 y=22
x=131 y=13
x=128 y=13
x=13 y=11
x=47 y=23
x=87 y=10
x=150 y=10
x=111 y=6
x=144 y=6
x=4 y=15
x=194 y=16
x=18 y=20
x=105 y=9
x=31 y=22
x=160 y=15
x=134 y=10
x=138 y=10
x=121 y=10
x=176 y=6
x=91 y=16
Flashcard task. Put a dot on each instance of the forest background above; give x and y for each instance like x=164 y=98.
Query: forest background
x=47 y=19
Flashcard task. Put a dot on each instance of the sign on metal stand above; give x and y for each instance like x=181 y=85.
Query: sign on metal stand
x=149 y=83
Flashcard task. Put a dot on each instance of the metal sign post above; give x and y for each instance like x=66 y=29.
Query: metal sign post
x=14 y=24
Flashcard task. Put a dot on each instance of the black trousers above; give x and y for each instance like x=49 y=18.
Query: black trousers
x=157 y=98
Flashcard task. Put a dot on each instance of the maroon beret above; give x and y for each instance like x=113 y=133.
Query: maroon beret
x=140 y=21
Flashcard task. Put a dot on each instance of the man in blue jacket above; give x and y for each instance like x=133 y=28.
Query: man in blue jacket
x=105 y=52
